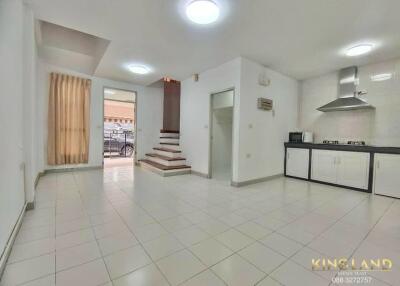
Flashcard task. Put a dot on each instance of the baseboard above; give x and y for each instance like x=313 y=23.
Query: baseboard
x=10 y=242
x=30 y=206
x=255 y=181
x=200 y=174
x=39 y=175
x=74 y=169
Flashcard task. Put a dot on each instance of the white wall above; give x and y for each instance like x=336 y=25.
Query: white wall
x=29 y=104
x=12 y=75
x=263 y=133
x=222 y=126
x=195 y=111
x=258 y=136
x=378 y=127
x=149 y=115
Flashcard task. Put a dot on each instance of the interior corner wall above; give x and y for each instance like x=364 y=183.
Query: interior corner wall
x=195 y=112
x=12 y=196
x=263 y=133
x=149 y=115
x=258 y=136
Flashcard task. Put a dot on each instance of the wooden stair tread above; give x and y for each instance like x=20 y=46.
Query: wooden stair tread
x=173 y=144
x=169 y=131
x=164 y=157
x=167 y=150
x=163 y=167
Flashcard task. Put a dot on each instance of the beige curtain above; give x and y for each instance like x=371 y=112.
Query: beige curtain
x=68 y=120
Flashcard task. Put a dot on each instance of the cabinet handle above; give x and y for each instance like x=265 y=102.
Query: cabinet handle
x=339 y=160
x=377 y=165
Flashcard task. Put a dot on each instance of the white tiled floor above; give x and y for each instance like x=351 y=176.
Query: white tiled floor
x=125 y=226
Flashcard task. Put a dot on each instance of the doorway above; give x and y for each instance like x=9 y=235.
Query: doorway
x=221 y=135
x=119 y=127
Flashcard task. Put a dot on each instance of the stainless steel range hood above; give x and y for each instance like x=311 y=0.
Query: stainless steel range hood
x=347 y=98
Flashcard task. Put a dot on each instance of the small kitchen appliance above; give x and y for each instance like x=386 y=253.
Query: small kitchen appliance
x=301 y=137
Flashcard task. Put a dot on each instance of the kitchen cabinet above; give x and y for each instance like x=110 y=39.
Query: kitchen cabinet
x=387 y=175
x=297 y=161
x=352 y=169
x=324 y=166
x=343 y=168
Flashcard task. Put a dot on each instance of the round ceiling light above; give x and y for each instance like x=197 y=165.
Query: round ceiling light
x=138 y=69
x=358 y=50
x=202 y=11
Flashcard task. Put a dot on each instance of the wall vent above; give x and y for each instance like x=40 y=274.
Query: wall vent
x=264 y=103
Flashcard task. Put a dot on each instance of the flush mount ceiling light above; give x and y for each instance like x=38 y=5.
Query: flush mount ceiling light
x=381 y=77
x=358 y=50
x=202 y=11
x=109 y=91
x=138 y=69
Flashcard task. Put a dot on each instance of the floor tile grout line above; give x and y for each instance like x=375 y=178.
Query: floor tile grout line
x=186 y=248
x=98 y=246
x=232 y=227
x=33 y=280
x=365 y=237
x=141 y=245
x=338 y=220
x=100 y=251
x=317 y=236
x=32 y=257
x=213 y=237
x=304 y=245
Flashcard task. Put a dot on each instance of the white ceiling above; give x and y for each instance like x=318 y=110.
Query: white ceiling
x=69 y=48
x=300 y=38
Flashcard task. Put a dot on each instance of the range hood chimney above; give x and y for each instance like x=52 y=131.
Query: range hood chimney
x=348 y=95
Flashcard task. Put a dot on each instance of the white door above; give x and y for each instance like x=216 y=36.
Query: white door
x=387 y=175
x=324 y=166
x=297 y=162
x=352 y=169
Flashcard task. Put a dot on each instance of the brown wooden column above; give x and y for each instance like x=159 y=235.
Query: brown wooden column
x=172 y=102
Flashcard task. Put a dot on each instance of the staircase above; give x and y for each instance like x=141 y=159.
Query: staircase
x=166 y=159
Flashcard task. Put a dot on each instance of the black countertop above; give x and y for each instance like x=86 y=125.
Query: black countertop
x=344 y=147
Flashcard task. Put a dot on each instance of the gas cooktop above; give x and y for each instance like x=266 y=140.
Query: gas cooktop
x=336 y=142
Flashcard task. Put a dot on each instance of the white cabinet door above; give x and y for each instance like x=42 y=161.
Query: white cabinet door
x=324 y=165
x=353 y=169
x=387 y=175
x=297 y=162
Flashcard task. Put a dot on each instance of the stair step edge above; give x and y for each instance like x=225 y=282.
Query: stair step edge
x=164 y=167
x=167 y=150
x=173 y=144
x=169 y=131
x=165 y=158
